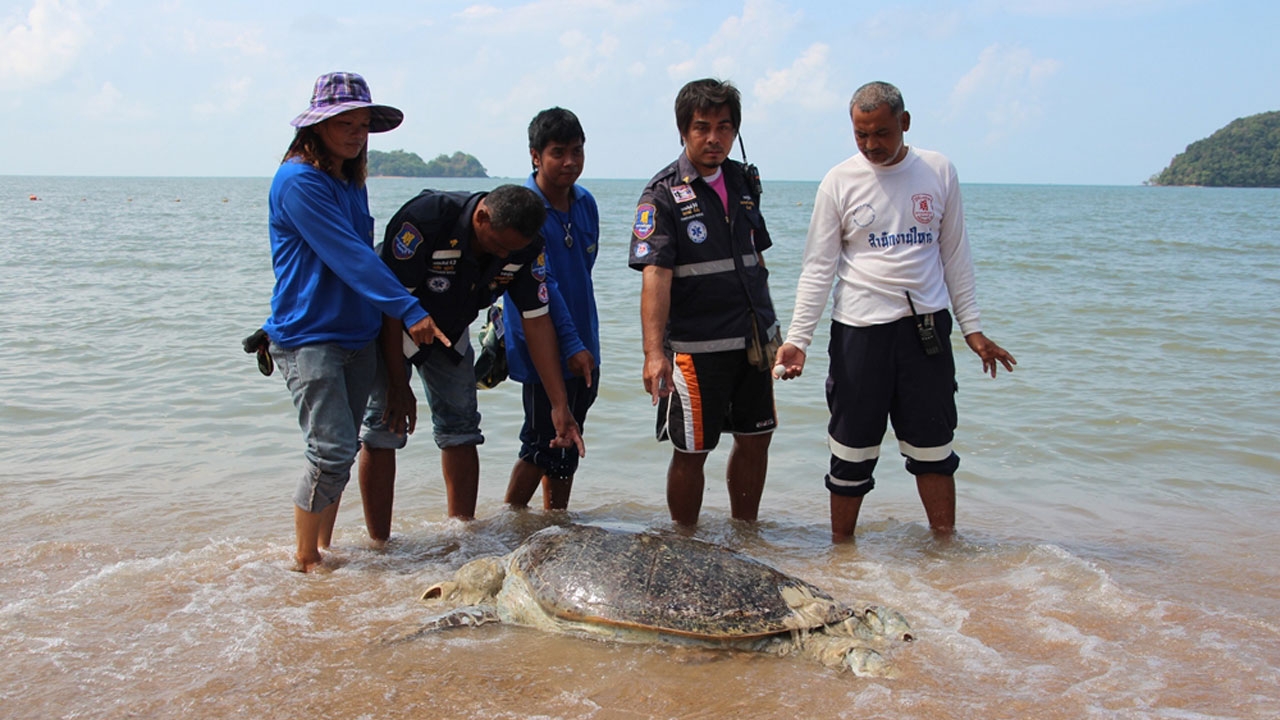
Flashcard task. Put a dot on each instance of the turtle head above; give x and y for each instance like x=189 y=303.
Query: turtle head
x=476 y=582
x=874 y=623
x=886 y=623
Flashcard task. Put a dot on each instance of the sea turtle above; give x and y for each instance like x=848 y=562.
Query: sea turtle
x=663 y=587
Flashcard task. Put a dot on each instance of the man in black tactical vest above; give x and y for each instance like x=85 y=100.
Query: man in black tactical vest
x=705 y=309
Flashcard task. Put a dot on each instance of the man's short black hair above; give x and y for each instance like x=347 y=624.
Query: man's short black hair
x=517 y=207
x=704 y=96
x=554 y=125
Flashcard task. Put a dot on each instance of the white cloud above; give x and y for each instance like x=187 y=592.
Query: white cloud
x=608 y=46
x=577 y=55
x=475 y=13
x=584 y=59
x=934 y=24
x=1006 y=85
x=43 y=46
x=222 y=36
x=110 y=105
x=1074 y=8
x=740 y=44
x=803 y=84
x=228 y=97
x=546 y=16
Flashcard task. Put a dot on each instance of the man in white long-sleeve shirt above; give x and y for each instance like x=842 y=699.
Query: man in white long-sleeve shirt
x=888 y=231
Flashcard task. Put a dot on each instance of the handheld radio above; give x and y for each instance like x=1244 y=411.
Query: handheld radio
x=753 y=174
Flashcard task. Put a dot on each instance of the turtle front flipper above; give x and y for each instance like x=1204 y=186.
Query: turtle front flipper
x=470 y=616
x=844 y=652
x=865 y=662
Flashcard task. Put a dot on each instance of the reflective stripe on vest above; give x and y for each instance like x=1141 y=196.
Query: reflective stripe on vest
x=706 y=346
x=720 y=345
x=711 y=267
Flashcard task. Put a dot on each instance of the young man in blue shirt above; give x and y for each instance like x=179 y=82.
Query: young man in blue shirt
x=571 y=234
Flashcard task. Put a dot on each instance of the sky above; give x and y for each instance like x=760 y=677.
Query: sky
x=1087 y=92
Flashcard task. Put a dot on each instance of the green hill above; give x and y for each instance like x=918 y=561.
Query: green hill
x=1245 y=153
x=399 y=163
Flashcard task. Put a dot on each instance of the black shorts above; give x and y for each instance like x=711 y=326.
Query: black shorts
x=880 y=372
x=714 y=393
x=538 y=431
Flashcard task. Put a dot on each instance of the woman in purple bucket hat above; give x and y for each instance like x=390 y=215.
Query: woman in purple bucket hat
x=331 y=292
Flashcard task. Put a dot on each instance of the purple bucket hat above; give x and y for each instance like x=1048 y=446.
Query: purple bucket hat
x=338 y=92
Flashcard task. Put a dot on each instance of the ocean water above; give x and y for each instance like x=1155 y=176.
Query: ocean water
x=1116 y=550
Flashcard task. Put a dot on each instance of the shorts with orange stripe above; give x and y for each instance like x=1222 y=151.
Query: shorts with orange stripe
x=715 y=393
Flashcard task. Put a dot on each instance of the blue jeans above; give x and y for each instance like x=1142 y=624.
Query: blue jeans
x=330 y=386
x=451 y=393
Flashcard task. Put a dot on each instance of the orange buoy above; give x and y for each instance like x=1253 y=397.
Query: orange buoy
x=33 y=197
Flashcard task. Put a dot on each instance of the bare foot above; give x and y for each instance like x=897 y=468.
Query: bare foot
x=307 y=563
x=683 y=529
x=944 y=536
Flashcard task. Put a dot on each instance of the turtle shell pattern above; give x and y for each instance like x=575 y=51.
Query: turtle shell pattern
x=659 y=582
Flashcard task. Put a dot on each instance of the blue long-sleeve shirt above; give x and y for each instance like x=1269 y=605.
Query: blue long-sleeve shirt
x=330 y=285
x=573 y=298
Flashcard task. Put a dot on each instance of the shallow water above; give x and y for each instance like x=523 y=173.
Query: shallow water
x=1115 y=557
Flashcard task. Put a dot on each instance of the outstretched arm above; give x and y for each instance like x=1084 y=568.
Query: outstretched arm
x=544 y=350
x=401 y=413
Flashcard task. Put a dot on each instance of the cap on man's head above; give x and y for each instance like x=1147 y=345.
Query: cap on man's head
x=338 y=92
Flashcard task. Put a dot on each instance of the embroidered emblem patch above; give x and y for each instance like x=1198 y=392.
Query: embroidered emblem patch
x=697 y=232
x=922 y=207
x=543 y=294
x=645 y=222
x=682 y=193
x=406 y=242
x=438 y=284
x=641 y=249
x=863 y=215
x=539 y=268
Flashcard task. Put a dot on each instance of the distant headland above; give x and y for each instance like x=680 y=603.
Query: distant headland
x=1245 y=153
x=399 y=163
